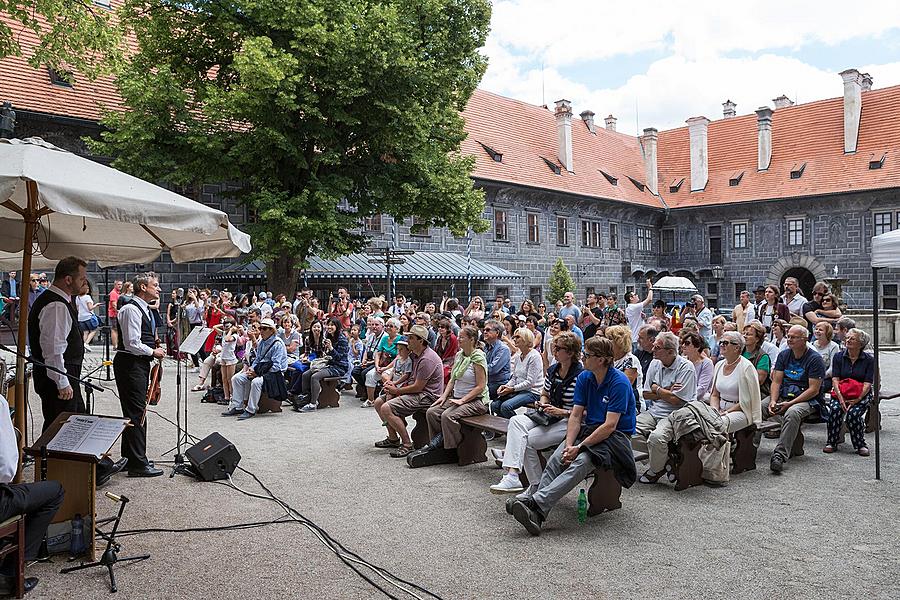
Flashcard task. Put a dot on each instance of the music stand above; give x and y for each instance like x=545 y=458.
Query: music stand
x=191 y=345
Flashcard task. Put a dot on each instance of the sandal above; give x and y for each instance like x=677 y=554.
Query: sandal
x=200 y=387
x=367 y=404
x=648 y=478
x=862 y=451
x=828 y=449
x=388 y=443
x=402 y=452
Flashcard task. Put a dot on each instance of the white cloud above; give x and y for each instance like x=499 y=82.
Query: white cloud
x=708 y=50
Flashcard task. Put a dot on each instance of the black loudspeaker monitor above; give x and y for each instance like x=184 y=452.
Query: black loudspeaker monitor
x=213 y=457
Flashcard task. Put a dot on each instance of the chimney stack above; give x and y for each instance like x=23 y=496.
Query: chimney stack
x=867 y=82
x=610 y=123
x=649 y=143
x=564 y=131
x=852 y=107
x=782 y=101
x=764 y=135
x=588 y=118
x=728 y=109
x=698 y=129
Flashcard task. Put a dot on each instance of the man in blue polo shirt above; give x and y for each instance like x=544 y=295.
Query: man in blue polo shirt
x=599 y=434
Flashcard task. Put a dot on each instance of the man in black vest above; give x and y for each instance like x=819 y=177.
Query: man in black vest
x=55 y=339
x=135 y=352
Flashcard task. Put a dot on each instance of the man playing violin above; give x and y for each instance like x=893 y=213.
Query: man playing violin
x=55 y=339
x=137 y=349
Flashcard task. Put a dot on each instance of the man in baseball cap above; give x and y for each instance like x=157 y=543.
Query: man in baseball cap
x=421 y=389
x=247 y=385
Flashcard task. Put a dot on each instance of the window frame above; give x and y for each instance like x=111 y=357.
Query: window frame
x=894 y=298
x=876 y=224
x=662 y=246
x=591 y=233
x=735 y=235
x=562 y=240
x=534 y=228
x=614 y=236
x=504 y=221
x=791 y=239
x=644 y=238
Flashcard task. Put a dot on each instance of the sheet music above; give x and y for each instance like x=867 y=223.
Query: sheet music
x=195 y=340
x=87 y=434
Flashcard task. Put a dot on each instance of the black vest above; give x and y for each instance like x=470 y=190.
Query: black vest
x=74 y=354
x=148 y=335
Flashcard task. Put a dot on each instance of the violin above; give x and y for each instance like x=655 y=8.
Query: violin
x=154 y=390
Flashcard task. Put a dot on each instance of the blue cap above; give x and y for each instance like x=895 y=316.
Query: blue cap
x=403 y=340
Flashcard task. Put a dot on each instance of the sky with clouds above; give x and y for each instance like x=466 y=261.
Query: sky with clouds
x=655 y=63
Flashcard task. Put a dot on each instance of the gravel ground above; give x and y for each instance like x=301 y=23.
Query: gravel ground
x=824 y=528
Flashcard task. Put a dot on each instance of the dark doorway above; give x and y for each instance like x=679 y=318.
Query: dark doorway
x=804 y=276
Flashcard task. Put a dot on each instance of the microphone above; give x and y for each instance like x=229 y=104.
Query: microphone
x=116 y=498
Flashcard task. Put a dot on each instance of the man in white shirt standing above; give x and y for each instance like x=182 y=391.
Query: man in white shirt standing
x=744 y=311
x=792 y=296
x=137 y=349
x=634 y=311
x=38 y=502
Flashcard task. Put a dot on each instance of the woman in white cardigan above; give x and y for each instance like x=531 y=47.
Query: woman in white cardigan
x=735 y=387
x=527 y=381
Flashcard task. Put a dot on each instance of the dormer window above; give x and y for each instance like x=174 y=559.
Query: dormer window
x=797 y=170
x=61 y=78
x=609 y=178
x=636 y=183
x=675 y=185
x=495 y=156
x=736 y=179
x=875 y=163
x=553 y=166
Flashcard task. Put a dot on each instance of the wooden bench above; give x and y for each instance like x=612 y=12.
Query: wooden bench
x=873 y=414
x=683 y=465
x=473 y=447
x=797 y=448
x=14 y=529
x=266 y=404
x=743 y=449
x=419 y=433
x=330 y=395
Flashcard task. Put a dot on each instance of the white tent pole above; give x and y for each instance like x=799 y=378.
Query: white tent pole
x=30 y=216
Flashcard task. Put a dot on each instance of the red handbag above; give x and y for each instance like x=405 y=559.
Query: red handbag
x=851 y=389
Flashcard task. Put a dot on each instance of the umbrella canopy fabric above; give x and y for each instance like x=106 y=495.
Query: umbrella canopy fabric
x=886 y=249
x=12 y=261
x=674 y=284
x=98 y=213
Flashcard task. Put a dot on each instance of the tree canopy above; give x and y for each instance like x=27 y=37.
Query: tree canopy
x=328 y=110
x=67 y=34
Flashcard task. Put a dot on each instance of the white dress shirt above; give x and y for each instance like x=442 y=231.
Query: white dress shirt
x=9 y=447
x=55 y=323
x=130 y=317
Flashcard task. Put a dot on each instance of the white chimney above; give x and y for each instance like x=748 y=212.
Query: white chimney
x=649 y=142
x=564 y=132
x=867 y=82
x=728 y=109
x=588 y=118
x=610 y=123
x=783 y=101
x=698 y=129
x=764 y=135
x=852 y=107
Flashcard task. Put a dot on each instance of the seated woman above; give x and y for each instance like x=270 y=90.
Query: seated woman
x=735 y=386
x=313 y=348
x=852 y=375
x=830 y=309
x=531 y=323
x=446 y=347
x=475 y=309
x=465 y=395
x=625 y=361
x=385 y=353
x=778 y=333
x=692 y=349
x=827 y=348
x=525 y=438
x=527 y=380
x=754 y=334
x=338 y=349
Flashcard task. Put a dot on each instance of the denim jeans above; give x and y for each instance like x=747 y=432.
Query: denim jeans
x=507 y=405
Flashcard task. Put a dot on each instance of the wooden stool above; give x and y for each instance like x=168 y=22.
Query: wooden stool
x=419 y=433
x=743 y=450
x=330 y=395
x=266 y=404
x=684 y=463
x=605 y=493
x=15 y=527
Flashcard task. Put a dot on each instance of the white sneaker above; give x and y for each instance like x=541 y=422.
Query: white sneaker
x=194 y=370
x=510 y=484
x=88 y=349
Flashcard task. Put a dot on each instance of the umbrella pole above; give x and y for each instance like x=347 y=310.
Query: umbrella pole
x=30 y=216
x=876 y=403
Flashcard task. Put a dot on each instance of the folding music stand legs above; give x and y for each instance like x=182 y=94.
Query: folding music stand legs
x=111 y=554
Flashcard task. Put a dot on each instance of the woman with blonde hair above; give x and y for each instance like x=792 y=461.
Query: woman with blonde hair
x=527 y=379
x=475 y=309
x=625 y=361
x=827 y=348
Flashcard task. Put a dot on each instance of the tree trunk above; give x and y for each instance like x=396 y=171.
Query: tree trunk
x=281 y=275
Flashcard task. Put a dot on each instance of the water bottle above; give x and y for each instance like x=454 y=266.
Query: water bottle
x=76 y=547
x=582 y=506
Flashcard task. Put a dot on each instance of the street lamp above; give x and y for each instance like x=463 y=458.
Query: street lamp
x=718 y=273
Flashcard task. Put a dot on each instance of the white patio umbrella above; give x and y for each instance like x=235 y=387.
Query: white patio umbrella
x=671 y=283
x=12 y=261
x=62 y=204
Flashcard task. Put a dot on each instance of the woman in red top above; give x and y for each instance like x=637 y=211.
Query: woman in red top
x=214 y=316
x=447 y=346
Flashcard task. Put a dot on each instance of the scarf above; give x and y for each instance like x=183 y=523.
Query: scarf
x=463 y=362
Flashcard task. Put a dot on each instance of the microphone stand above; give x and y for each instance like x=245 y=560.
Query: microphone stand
x=182 y=436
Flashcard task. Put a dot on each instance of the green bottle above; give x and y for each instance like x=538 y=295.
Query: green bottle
x=582 y=506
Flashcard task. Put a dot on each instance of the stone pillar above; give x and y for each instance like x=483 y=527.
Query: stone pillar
x=698 y=130
x=764 y=137
x=564 y=133
x=649 y=142
x=852 y=108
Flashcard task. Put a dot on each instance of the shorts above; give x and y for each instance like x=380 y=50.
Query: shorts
x=409 y=404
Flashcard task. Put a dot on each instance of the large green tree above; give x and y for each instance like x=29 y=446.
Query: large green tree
x=328 y=111
x=70 y=34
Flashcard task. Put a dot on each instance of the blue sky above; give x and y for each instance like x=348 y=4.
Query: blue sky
x=655 y=63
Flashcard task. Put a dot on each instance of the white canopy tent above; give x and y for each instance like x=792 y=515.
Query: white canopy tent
x=59 y=204
x=885 y=254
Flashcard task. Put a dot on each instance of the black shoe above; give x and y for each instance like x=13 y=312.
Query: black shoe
x=8 y=585
x=233 y=412
x=146 y=471
x=527 y=513
x=109 y=471
x=776 y=464
x=429 y=456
